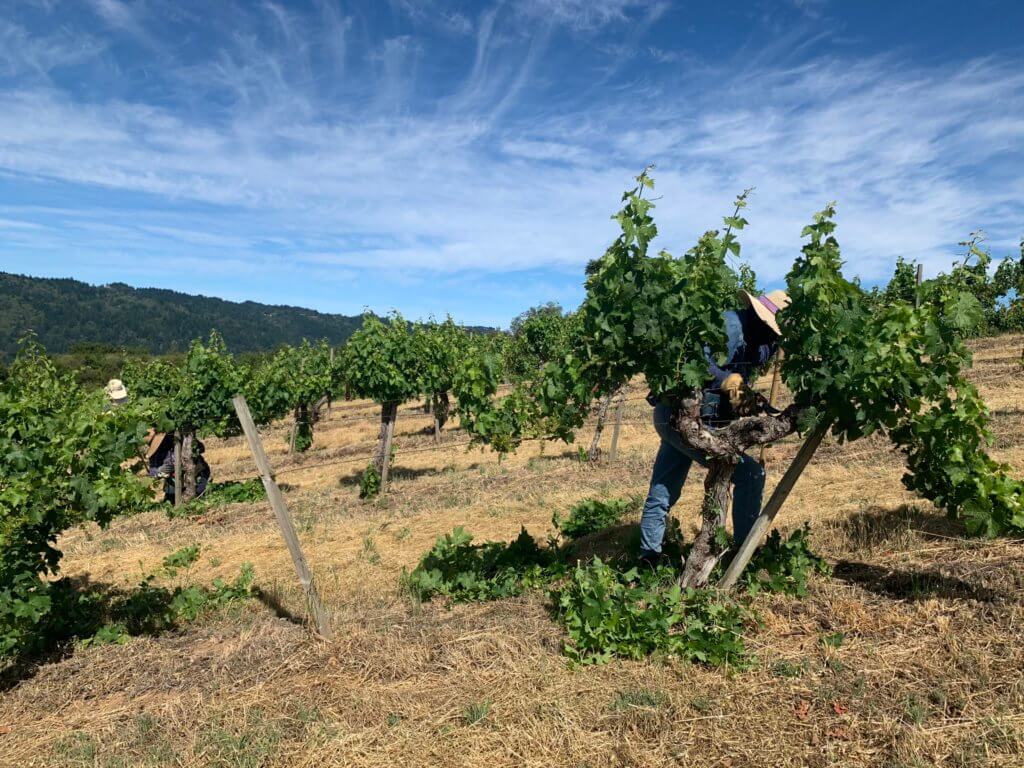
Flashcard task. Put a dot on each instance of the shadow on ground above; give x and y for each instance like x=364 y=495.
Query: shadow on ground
x=397 y=473
x=891 y=526
x=911 y=585
x=97 y=613
x=273 y=602
x=619 y=545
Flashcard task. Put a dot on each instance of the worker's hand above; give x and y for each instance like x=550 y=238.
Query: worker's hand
x=743 y=401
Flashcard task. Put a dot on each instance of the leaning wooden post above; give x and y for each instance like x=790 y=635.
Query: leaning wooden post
x=613 y=451
x=772 y=394
x=920 y=277
x=177 y=468
x=771 y=509
x=284 y=519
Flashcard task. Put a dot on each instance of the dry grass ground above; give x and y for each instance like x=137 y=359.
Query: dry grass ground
x=929 y=669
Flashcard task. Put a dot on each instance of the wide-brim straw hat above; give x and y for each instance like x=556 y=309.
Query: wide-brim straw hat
x=767 y=306
x=153 y=441
x=116 y=390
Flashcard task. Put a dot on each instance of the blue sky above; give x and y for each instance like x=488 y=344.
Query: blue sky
x=465 y=158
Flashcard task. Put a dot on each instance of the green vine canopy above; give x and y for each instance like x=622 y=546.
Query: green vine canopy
x=863 y=366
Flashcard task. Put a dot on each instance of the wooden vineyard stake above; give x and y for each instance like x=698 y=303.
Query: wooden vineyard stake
x=177 y=468
x=284 y=519
x=613 y=452
x=771 y=509
x=772 y=394
x=920 y=277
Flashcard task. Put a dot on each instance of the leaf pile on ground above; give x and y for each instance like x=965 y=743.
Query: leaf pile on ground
x=631 y=614
x=591 y=516
x=217 y=494
x=464 y=571
x=783 y=565
x=611 y=611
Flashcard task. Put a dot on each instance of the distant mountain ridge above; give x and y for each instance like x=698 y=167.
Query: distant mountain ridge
x=64 y=312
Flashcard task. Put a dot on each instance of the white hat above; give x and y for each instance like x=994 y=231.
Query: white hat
x=766 y=307
x=116 y=391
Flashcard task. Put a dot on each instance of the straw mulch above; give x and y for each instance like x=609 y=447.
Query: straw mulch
x=911 y=654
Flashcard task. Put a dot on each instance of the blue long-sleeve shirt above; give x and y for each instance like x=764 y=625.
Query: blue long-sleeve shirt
x=741 y=357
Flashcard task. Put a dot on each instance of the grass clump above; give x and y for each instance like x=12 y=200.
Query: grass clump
x=642 y=698
x=369 y=552
x=248 y=745
x=464 y=571
x=591 y=516
x=476 y=712
x=77 y=748
x=632 y=614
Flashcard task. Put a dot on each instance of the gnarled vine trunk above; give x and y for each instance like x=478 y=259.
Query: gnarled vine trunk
x=707 y=550
x=317 y=409
x=724 y=448
x=382 y=458
x=187 y=492
x=594 y=452
x=441 y=406
x=302 y=428
x=177 y=468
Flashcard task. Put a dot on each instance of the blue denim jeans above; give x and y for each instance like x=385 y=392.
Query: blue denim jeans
x=671 y=467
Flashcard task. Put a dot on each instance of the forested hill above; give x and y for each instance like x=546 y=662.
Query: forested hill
x=67 y=312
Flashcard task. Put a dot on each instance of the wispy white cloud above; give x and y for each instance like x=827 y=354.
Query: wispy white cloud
x=36 y=56
x=435 y=14
x=17 y=224
x=125 y=17
x=382 y=164
x=812 y=8
x=588 y=14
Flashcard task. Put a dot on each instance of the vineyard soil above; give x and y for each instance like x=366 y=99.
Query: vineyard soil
x=910 y=654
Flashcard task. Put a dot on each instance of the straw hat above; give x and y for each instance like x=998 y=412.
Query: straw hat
x=153 y=441
x=116 y=391
x=766 y=307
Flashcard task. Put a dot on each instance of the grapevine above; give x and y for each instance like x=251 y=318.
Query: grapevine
x=295 y=379
x=438 y=350
x=381 y=362
x=193 y=399
x=60 y=454
x=857 y=364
